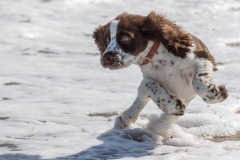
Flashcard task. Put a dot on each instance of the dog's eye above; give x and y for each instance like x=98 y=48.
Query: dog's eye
x=125 y=39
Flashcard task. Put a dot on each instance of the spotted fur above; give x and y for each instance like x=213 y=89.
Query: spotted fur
x=166 y=102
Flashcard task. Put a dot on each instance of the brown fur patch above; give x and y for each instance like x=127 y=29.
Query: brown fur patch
x=100 y=36
x=129 y=24
x=202 y=51
x=176 y=41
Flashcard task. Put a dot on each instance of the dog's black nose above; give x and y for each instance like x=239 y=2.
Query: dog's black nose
x=108 y=58
x=112 y=60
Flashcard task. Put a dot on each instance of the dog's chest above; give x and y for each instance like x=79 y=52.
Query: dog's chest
x=173 y=73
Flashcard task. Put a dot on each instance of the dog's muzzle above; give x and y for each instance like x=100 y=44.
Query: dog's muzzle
x=112 y=60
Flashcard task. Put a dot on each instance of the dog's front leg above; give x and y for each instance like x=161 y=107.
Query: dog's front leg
x=130 y=115
x=166 y=102
x=170 y=105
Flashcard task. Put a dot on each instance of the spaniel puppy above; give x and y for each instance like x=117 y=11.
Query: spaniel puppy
x=176 y=65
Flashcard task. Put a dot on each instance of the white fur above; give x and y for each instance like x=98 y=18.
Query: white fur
x=174 y=77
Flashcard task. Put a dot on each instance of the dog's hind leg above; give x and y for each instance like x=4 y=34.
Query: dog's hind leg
x=131 y=114
x=203 y=83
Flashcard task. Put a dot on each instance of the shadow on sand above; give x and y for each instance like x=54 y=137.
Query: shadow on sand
x=115 y=145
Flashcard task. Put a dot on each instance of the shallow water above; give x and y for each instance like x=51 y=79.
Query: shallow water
x=51 y=78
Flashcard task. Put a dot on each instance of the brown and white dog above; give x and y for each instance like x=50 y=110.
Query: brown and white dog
x=175 y=65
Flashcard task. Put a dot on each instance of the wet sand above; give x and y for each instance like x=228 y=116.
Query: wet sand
x=229 y=138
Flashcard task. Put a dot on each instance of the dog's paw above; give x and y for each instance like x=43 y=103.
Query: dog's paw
x=222 y=93
x=120 y=124
x=180 y=108
x=161 y=128
x=216 y=94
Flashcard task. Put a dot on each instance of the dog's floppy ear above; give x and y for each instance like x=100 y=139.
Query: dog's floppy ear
x=176 y=41
x=98 y=36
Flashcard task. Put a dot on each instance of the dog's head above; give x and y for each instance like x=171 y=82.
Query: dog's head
x=123 y=39
x=120 y=41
